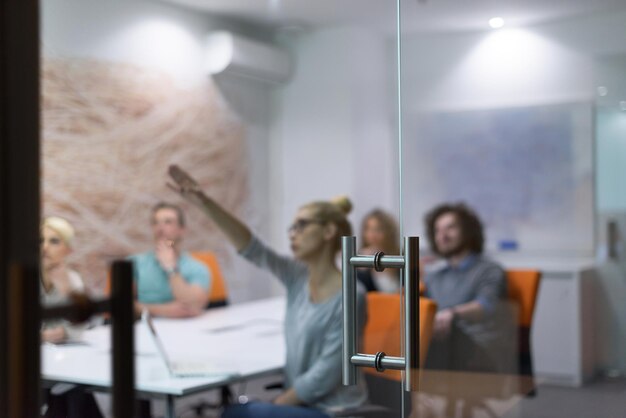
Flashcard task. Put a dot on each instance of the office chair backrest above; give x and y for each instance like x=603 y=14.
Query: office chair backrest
x=428 y=310
x=218 y=295
x=384 y=327
x=523 y=286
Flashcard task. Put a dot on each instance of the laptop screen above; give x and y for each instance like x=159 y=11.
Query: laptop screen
x=147 y=319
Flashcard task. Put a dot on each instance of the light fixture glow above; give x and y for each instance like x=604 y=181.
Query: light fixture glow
x=622 y=105
x=496 y=22
x=602 y=91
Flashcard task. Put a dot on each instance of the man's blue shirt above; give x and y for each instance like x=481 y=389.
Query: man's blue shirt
x=153 y=285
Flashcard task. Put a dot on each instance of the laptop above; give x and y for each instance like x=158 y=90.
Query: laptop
x=182 y=368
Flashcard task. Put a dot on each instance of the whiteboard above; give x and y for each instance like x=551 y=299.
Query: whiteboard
x=527 y=171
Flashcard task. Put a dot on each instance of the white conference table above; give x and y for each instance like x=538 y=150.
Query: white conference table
x=243 y=341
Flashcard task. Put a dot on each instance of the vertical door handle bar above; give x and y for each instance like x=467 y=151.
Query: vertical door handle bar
x=351 y=359
x=348 y=272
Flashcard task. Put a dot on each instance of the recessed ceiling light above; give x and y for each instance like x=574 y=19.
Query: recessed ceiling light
x=496 y=22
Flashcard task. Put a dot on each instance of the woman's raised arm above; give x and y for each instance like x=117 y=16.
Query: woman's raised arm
x=236 y=231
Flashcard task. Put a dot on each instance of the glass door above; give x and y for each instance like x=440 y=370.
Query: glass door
x=472 y=130
x=270 y=105
x=284 y=113
x=503 y=181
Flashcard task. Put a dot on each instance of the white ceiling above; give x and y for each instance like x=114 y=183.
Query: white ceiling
x=417 y=15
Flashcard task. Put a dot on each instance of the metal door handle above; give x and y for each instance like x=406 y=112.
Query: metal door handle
x=409 y=263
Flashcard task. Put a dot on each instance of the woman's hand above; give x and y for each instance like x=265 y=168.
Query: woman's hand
x=237 y=232
x=289 y=397
x=53 y=335
x=185 y=185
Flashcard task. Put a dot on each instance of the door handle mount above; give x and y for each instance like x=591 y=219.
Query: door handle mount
x=409 y=264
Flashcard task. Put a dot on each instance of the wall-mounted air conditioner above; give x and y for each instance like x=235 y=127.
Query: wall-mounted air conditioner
x=233 y=54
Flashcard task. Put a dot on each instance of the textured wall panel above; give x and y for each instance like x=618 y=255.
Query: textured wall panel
x=110 y=130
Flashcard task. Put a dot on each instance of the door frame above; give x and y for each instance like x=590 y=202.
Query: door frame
x=19 y=209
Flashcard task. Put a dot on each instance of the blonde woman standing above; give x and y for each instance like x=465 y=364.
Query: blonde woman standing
x=313 y=320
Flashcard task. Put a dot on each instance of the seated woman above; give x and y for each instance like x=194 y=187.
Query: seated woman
x=58 y=281
x=313 y=320
x=380 y=233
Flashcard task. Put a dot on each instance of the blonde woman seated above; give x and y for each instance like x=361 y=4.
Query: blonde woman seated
x=313 y=320
x=380 y=233
x=57 y=279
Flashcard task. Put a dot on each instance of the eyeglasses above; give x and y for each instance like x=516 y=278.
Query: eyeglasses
x=299 y=225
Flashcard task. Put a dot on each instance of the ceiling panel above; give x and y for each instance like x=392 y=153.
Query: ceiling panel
x=417 y=15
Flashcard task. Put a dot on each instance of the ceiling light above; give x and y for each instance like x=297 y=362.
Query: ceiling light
x=496 y=22
x=602 y=91
x=622 y=105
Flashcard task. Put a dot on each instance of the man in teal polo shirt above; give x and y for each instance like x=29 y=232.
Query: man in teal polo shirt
x=170 y=282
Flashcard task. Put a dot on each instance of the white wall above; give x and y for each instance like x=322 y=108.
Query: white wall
x=333 y=133
x=140 y=32
x=492 y=69
x=340 y=106
x=549 y=63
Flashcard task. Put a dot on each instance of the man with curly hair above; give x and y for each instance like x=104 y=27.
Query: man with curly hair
x=474 y=328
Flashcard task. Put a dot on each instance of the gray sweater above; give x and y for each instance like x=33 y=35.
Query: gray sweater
x=479 y=279
x=313 y=334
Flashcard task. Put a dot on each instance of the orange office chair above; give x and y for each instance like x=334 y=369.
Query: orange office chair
x=383 y=328
x=523 y=286
x=218 y=296
x=382 y=333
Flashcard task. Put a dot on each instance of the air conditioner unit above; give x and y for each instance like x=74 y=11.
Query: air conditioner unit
x=234 y=54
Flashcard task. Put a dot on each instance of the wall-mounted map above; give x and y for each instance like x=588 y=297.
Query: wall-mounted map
x=528 y=171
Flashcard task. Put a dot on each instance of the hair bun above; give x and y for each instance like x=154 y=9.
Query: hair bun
x=343 y=203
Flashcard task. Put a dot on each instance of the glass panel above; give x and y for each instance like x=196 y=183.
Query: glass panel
x=268 y=106
x=502 y=180
x=610 y=160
